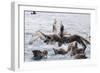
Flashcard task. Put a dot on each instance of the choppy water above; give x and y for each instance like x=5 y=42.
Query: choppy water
x=73 y=23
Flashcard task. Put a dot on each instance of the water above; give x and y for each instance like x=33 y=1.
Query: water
x=73 y=23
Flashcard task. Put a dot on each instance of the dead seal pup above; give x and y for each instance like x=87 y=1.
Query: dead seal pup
x=39 y=54
x=60 y=51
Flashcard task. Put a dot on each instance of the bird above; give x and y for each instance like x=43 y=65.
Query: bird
x=38 y=55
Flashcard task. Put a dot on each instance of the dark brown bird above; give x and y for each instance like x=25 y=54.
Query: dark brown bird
x=60 y=51
x=77 y=51
x=80 y=56
x=33 y=12
x=39 y=54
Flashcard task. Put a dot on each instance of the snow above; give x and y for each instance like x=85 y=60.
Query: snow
x=73 y=23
